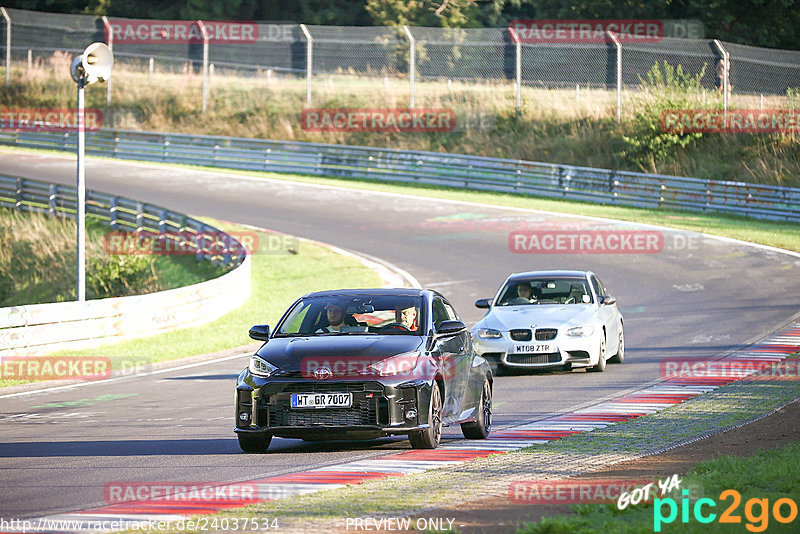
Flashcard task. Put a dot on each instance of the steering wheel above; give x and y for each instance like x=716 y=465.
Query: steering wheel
x=395 y=326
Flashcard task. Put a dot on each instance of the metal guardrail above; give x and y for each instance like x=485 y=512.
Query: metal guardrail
x=39 y=328
x=622 y=188
x=123 y=214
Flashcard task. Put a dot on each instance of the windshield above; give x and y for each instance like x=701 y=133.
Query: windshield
x=353 y=315
x=530 y=291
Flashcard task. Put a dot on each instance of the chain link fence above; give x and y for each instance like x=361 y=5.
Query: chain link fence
x=401 y=66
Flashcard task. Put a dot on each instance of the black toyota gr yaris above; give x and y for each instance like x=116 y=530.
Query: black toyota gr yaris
x=361 y=364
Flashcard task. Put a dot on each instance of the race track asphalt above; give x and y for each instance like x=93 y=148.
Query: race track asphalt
x=698 y=297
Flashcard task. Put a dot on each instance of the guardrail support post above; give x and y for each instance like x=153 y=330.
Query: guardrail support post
x=112 y=213
x=139 y=216
x=412 y=64
x=309 y=61
x=51 y=200
x=8 y=45
x=618 y=46
x=18 y=194
x=726 y=67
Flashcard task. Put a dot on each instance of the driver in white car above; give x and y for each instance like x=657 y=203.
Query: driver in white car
x=524 y=295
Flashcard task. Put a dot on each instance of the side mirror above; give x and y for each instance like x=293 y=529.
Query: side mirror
x=260 y=332
x=483 y=303
x=450 y=328
x=607 y=300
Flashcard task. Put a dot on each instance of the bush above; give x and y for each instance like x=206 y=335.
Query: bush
x=119 y=276
x=670 y=88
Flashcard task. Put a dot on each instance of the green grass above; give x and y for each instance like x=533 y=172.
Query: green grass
x=38 y=256
x=276 y=281
x=771 y=474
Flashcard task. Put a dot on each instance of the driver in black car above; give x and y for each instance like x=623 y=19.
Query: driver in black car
x=408 y=318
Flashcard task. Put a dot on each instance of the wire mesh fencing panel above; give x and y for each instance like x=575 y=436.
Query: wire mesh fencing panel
x=357 y=65
x=464 y=69
x=762 y=70
x=575 y=79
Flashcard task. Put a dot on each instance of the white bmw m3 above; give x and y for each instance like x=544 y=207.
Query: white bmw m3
x=550 y=320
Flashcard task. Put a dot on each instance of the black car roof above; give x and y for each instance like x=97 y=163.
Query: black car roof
x=379 y=292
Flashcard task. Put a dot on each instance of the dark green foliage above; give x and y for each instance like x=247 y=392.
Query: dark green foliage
x=648 y=144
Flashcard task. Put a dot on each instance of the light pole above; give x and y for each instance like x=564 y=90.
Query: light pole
x=94 y=65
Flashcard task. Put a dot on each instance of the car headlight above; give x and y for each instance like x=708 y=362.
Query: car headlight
x=581 y=331
x=261 y=367
x=401 y=363
x=488 y=333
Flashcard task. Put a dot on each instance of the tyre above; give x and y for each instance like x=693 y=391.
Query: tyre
x=601 y=359
x=431 y=436
x=619 y=357
x=254 y=443
x=480 y=428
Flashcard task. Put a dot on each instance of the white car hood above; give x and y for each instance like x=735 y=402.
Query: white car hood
x=542 y=315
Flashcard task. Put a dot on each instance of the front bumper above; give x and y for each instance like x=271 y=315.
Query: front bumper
x=377 y=409
x=569 y=351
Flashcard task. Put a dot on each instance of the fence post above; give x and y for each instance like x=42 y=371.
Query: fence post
x=412 y=64
x=726 y=65
x=151 y=67
x=618 y=45
x=517 y=69
x=309 y=61
x=110 y=44
x=205 y=63
x=8 y=45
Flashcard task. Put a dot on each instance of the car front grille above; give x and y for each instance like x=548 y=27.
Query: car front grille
x=530 y=359
x=520 y=335
x=546 y=334
x=363 y=412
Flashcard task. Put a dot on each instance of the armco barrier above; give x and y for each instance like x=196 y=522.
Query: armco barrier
x=38 y=328
x=471 y=172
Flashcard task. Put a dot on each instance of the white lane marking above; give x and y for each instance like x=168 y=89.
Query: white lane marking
x=126 y=377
